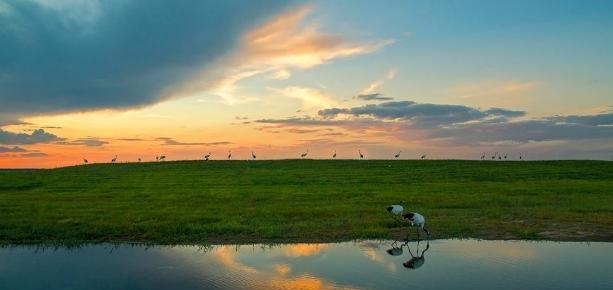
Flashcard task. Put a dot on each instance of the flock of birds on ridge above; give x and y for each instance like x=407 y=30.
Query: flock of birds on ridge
x=207 y=157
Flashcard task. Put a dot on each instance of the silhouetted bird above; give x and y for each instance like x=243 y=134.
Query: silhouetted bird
x=85 y=161
x=114 y=159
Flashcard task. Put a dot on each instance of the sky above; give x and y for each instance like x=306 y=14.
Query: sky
x=449 y=79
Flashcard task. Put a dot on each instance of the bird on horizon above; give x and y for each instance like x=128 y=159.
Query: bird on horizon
x=304 y=154
x=520 y=156
x=85 y=161
x=334 y=155
x=397 y=154
x=483 y=156
x=424 y=156
x=253 y=155
x=162 y=157
x=139 y=160
x=494 y=156
x=229 y=154
x=361 y=155
x=505 y=156
x=114 y=159
x=206 y=157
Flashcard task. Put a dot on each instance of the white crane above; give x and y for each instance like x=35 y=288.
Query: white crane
x=304 y=154
x=494 y=156
x=424 y=156
x=416 y=220
x=114 y=159
x=229 y=154
x=361 y=155
x=206 y=157
x=397 y=154
x=505 y=156
x=334 y=155
x=253 y=155
x=483 y=156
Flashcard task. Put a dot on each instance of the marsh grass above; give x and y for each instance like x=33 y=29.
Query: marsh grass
x=305 y=200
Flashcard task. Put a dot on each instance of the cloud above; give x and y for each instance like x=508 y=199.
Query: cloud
x=311 y=97
x=455 y=124
x=60 y=56
x=13 y=149
x=87 y=141
x=372 y=87
x=37 y=136
x=373 y=97
x=172 y=142
x=33 y=155
x=284 y=43
x=505 y=112
x=424 y=114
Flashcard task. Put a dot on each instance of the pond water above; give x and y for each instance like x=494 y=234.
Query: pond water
x=439 y=264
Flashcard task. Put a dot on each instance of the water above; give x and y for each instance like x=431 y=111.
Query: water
x=457 y=264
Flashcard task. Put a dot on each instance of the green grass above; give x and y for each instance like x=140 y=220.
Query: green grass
x=305 y=200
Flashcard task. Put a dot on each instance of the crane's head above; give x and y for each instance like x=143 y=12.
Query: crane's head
x=408 y=216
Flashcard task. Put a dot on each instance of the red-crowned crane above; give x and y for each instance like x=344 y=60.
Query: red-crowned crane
x=416 y=220
x=334 y=155
x=304 y=154
x=114 y=159
x=424 y=156
x=206 y=157
x=253 y=155
x=397 y=154
x=229 y=154
x=361 y=155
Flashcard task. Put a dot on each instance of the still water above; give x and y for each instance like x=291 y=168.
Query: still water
x=439 y=264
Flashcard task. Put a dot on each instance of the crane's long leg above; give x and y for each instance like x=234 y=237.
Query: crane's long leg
x=427 y=233
x=418 y=235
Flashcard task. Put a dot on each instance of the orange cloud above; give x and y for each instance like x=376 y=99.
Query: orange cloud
x=278 y=46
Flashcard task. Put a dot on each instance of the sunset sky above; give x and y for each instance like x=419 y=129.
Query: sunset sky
x=451 y=79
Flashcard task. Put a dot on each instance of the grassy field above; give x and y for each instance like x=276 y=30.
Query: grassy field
x=305 y=200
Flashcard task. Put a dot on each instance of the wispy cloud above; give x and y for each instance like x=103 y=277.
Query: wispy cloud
x=86 y=141
x=173 y=142
x=374 y=86
x=373 y=97
x=277 y=47
x=310 y=97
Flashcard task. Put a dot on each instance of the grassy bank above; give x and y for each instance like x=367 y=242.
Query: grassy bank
x=305 y=200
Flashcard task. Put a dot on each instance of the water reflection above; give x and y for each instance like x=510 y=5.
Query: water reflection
x=417 y=261
x=458 y=264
